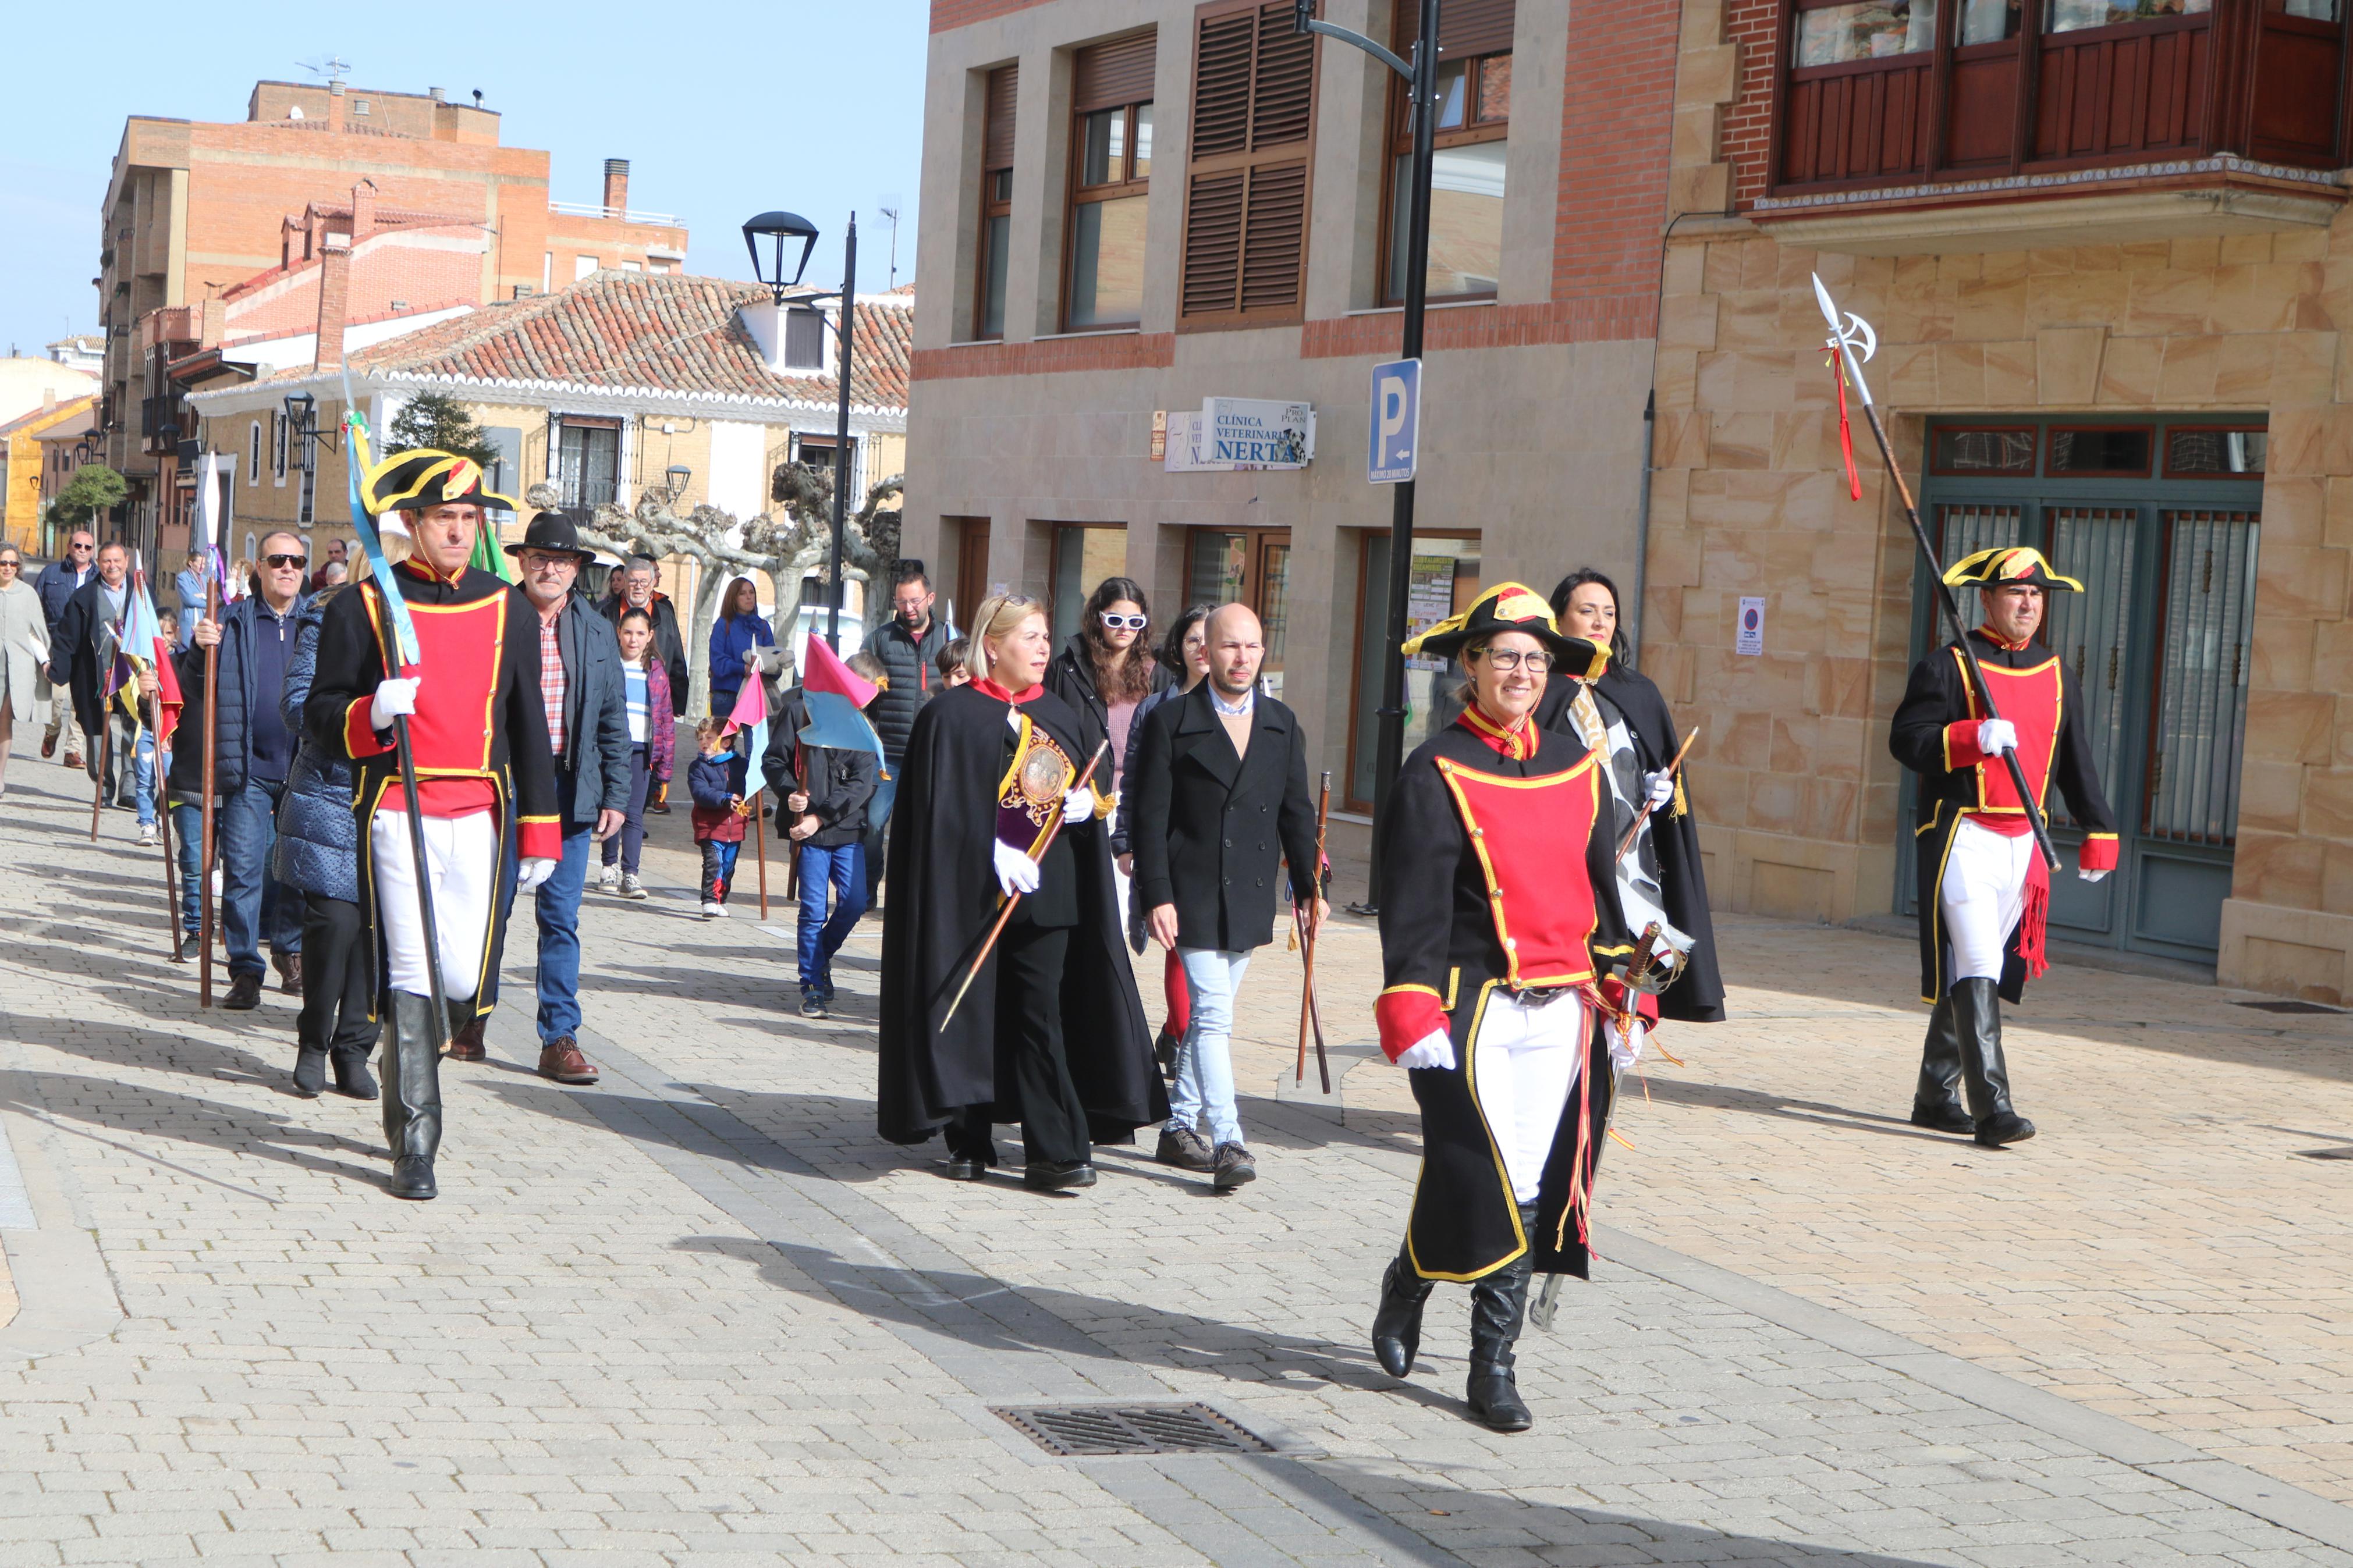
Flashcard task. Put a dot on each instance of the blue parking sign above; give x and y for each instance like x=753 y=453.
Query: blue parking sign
x=1393 y=438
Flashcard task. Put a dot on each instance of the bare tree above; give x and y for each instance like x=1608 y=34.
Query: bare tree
x=787 y=547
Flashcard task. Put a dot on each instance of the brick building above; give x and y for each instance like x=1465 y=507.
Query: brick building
x=2105 y=249
x=194 y=209
x=1132 y=207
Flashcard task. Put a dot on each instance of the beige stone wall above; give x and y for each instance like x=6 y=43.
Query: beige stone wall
x=1795 y=783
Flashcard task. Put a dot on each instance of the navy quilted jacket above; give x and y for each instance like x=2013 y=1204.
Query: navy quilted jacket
x=318 y=844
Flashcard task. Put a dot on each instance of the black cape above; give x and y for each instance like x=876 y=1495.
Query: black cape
x=944 y=899
x=1698 y=995
x=1437 y=931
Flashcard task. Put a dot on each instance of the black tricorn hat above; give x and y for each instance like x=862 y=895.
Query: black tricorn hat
x=556 y=534
x=1509 y=607
x=412 y=481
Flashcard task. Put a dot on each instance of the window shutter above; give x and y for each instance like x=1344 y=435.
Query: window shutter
x=997 y=135
x=1108 y=76
x=1246 y=195
x=1466 y=28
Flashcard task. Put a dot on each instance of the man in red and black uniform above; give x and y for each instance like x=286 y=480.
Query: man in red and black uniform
x=1985 y=893
x=478 y=732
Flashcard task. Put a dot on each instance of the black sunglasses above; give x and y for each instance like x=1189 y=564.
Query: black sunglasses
x=286 y=561
x=82 y=547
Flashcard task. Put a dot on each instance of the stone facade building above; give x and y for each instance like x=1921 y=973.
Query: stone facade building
x=2105 y=249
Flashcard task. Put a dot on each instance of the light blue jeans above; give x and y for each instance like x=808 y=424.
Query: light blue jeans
x=1204 y=1067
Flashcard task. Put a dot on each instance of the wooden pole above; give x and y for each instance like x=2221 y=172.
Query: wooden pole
x=105 y=746
x=1643 y=815
x=1307 y=1011
x=760 y=847
x=988 y=943
x=204 y=807
x=163 y=832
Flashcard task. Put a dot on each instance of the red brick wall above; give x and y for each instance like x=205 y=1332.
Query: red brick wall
x=1141 y=350
x=383 y=268
x=1747 y=144
x=948 y=15
x=1614 y=145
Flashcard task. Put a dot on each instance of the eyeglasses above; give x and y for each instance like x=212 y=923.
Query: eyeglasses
x=82 y=547
x=284 y=561
x=1125 y=622
x=1509 y=660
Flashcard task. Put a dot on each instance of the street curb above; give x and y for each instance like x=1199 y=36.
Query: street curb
x=65 y=1296
x=2111 y=1436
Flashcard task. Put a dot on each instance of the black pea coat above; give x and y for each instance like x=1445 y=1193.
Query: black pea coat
x=1208 y=826
x=944 y=899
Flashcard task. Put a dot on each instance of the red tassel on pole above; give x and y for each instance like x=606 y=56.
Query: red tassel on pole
x=1846 y=432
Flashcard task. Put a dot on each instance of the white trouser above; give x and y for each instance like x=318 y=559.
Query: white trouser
x=461 y=854
x=1526 y=1069
x=1982 y=896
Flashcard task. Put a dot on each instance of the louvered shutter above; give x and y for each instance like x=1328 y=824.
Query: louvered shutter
x=1109 y=75
x=1466 y=28
x=1247 y=187
x=997 y=135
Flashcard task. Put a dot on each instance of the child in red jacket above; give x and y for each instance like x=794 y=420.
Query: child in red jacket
x=716 y=779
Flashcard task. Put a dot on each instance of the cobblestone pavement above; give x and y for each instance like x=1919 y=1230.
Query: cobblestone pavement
x=698 y=1314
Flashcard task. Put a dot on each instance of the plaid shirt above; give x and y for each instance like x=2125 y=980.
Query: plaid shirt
x=551 y=678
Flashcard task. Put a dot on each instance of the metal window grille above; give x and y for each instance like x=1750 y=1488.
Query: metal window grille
x=2204 y=659
x=2089 y=630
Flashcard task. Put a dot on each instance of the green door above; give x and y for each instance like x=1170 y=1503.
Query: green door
x=2159 y=521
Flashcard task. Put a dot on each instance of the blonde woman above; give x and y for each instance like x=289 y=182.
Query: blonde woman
x=1051 y=1033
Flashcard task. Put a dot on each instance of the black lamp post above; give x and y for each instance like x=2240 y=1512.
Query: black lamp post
x=1421 y=95
x=780 y=226
x=303 y=425
x=676 y=474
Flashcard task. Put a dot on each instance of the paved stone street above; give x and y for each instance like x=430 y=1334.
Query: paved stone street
x=699 y=1314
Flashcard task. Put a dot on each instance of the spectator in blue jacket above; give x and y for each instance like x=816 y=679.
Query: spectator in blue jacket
x=57 y=583
x=253 y=753
x=735 y=636
x=317 y=855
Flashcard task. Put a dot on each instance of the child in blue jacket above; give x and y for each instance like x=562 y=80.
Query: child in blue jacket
x=716 y=779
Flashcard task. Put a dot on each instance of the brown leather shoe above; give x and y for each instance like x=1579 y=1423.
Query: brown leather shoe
x=561 y=1060
x=466 y=1044
x=290 y=973
x=244 y=993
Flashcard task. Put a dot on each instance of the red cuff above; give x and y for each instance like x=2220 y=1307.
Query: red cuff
x=1408 y=1015
x=1613 y=994
x=361 y=737
x=1961 y=745
x=2097 y=853
x=538 y=838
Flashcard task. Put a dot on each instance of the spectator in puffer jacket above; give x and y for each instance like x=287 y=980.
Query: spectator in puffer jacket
x=715 y=779
x=317 y=855
x=734 y=636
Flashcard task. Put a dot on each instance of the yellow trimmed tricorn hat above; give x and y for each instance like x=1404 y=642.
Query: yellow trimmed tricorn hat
x=1509 y=607
x=411 y=481
x=2004 y=564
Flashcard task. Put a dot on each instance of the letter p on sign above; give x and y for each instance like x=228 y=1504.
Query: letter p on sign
x=1394 y=431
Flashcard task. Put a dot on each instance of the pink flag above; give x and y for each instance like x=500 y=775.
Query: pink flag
x=826 y=672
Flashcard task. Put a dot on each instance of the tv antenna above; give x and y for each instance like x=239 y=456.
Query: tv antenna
x=333 y=68
x=889 y=205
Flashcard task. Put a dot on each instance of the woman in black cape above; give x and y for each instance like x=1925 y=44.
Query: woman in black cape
x=1664 y=869
x=1051 y=1033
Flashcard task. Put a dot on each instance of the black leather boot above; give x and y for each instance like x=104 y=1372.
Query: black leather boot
x=1397 y=1325
x=1937 y=1100
x=309 y=1071
x=1499 y=1306
x=411 y=1096
x=1977 y=1020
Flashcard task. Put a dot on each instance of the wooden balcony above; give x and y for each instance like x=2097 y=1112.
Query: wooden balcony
x=2225 y=121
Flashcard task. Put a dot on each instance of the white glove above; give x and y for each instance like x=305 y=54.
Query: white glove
x=1016 y=872
x=1432 y=1050
x=1625 y=1049
x=1660 y=787
x=1079 y=805
x=2089 y=876
x=531 y=873
x=395 y=699
x=1995 y=735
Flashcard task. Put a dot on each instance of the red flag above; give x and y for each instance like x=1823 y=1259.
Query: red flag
x=826 y=672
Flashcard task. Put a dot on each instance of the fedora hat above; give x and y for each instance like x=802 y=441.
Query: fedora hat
x=556 y=534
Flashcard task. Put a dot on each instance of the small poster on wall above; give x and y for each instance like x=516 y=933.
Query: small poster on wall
x=1748 y=635
x=1428 y=599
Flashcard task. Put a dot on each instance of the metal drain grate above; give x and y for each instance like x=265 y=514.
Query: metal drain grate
x=1089 y=1431
x=2289 y=1007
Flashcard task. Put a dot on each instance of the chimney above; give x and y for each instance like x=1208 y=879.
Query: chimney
x=212 y=323
x=334 y=106
x=436 y=95
x=334 y=285
x=363 y=210
x=616 y=187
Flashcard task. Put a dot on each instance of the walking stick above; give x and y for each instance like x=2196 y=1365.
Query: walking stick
x=205 y=807
x=105 y=749
x=1643 y=815
x=1006 y=913
x=1307 y=1011
x=163 y=832
x=1856 y=333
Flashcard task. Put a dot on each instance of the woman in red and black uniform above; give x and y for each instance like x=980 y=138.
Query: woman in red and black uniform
x=1500 y=923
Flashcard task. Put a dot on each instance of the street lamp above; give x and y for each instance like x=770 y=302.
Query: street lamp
x=1421 y=75
x=781 y=227
x=678 y=474
x=303 y=425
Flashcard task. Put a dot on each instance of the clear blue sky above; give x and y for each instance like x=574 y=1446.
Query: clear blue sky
x=723 y=109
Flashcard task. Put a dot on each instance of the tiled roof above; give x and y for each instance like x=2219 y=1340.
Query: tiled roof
x=666 y=331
